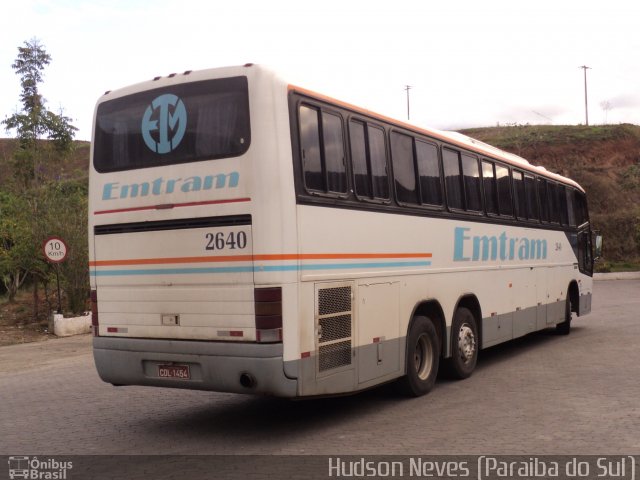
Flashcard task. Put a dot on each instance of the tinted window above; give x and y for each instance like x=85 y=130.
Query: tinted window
x=451 y=166
x=357 y=143
x=403 y=168
x=503 y=181
x=570 y=206
x=554 y=202
x=182 y=123
x=369 y=157
x=471 y=173
x=334 y=153
x=429 y=171
x=378 y=154
x=310 y=144
x=562 y=200
x=544 y=201
x=518 y=188
x=532 y=197
x=490 y=191
x=322 y=161
x=580 y=203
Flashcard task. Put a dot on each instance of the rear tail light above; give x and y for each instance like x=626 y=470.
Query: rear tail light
x=268 y=307
x=94 y=312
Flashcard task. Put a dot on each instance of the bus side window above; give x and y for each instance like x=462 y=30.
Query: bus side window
x=544 y=200
x=310 y=144
x=452 y=177
x=562 y=200
x=580 y=202
x=518 y=188
x=505 y=200
x=322 y=151
x=531 y=192
x=358 y=146
x=490 y=190
x=471 y=176
x=334 y=153
x=429 y=171
x=554 y=204
x=570 y=206
x=378 y=159
x=369 y=160
x=404 y=168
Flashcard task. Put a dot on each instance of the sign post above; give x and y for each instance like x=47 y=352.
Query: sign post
x=55 y=251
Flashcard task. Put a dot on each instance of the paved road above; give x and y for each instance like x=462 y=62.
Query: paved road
x=543 y=394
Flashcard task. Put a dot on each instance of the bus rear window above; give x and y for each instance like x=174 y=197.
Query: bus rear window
x=182 y=123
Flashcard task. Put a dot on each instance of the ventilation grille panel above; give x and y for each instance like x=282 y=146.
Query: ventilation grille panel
x=334 y=355
x=335 y=328
x=334 y=317
x=334 y=300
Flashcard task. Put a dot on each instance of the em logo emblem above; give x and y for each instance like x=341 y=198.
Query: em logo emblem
x=168 y=116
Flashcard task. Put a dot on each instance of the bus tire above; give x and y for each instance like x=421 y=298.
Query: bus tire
x=564 y=328
x=423 y=357
x=464 y=344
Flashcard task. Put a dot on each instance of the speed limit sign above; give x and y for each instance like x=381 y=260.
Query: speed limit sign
x=55 y=250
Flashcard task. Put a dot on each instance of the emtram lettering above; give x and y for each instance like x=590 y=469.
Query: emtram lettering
x=483 y=248
x=160 y=186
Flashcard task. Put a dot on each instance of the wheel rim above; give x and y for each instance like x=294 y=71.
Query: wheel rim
x=466 y=343
x=423 y=357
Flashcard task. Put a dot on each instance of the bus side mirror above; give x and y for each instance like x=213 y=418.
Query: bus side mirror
x=598 y=244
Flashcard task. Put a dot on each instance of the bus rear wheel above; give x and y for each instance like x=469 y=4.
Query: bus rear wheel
x=464 y=344
x=423 y=357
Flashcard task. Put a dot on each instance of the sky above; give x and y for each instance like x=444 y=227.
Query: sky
x=470 y=63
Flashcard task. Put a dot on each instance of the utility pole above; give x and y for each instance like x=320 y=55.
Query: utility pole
x=407 y=88
x=586 y=108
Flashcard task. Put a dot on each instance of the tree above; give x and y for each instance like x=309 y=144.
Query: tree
x=29 y=202
x=18 y=255
x=34 y=121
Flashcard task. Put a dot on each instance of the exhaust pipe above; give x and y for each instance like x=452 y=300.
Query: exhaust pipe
x=247 y=380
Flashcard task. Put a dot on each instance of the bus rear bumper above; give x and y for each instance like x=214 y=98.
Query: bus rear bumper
x=214 y=366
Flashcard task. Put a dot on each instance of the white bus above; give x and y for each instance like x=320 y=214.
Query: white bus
x=251 y=236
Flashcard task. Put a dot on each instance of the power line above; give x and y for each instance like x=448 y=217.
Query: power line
x=586 y=108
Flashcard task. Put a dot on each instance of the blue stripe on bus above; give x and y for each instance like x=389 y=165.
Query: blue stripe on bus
x=257 y=268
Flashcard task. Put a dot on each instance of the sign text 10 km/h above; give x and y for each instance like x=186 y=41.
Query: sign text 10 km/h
x=55 y=250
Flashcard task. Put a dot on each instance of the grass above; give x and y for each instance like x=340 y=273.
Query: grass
x=616 y=267
x=514 y=137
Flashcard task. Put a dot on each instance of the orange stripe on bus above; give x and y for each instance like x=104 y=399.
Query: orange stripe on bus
x=249 y=258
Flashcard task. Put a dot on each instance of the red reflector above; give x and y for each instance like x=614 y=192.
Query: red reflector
x=236 y=333
x=112 y=330
x=305 y=355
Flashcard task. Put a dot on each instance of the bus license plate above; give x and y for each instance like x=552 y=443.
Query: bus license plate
x=174 y=371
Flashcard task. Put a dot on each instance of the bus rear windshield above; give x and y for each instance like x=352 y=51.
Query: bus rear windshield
x=183 y=123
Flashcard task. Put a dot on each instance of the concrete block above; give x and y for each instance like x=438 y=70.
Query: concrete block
x=65 y=327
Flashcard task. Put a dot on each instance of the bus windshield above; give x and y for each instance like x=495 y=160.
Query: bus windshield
x=183 y=123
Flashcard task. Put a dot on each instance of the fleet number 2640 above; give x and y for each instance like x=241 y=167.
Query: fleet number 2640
x=223 y=241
